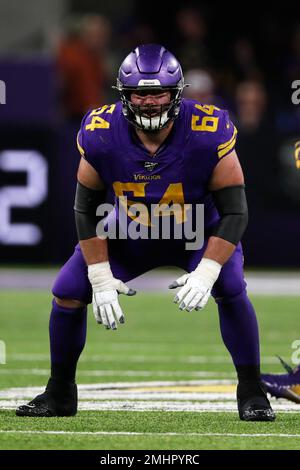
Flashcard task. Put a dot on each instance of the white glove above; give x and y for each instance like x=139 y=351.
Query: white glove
x=106 y=288
x=197 y=285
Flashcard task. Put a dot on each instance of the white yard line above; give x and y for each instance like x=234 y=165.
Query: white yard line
x=121 y=373
x=177 y=395
x=174 y=406
x=127 y=433
x=199 y=359
x=148 y=383
x=151 y=396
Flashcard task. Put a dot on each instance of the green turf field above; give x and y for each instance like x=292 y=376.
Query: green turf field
x=162 y=381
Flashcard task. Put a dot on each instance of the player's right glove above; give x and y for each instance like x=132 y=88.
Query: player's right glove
x=106 y=288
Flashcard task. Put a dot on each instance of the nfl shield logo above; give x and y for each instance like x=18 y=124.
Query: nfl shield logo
x=150 y=165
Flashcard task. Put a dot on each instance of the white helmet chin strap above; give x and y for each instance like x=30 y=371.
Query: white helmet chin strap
x=153 y=124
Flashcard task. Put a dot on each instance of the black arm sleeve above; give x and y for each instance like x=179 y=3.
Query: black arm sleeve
x=86 y=202
x=231 y=204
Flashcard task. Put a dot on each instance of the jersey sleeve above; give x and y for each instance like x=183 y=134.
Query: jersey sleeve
x=96 y=138
x=81 y=139
x=92 y=137
x=226 y=138
x=96 y=135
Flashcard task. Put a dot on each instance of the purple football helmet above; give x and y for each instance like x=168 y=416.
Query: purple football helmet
x=150 y=68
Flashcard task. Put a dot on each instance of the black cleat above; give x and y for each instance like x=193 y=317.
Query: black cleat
x=57 y=400
x=253 y=404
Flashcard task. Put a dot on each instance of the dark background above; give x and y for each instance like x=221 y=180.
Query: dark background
x=249 y=54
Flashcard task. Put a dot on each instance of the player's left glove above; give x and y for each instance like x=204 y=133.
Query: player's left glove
x=197 y=285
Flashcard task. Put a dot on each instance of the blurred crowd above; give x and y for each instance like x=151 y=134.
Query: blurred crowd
x=221 y=69
x=236 y=57
x=252 y=79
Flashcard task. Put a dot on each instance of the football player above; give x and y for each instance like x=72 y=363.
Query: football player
x=284 y=385
x=156 y=148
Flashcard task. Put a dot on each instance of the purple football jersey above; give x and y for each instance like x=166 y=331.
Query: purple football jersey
x=180 y=170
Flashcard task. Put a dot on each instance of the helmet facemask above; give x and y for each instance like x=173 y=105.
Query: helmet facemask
x=150 y=117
